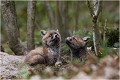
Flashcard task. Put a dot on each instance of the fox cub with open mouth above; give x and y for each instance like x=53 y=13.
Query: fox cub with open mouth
x=77 y=47
x=48 y=53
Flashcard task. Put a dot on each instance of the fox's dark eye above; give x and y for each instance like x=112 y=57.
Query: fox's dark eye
x=73 y=37
x=50 y=35
x=70 y=39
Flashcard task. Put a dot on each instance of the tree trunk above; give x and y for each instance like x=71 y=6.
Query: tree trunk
x=104 y=33
x=2 y=49
x=96 y=37
x=65 y=19
x=12 y=29
x=77 y=15
x=30 y=25
x=51 y=15
x=96 y=34
x=59 y=17
x=62 y=18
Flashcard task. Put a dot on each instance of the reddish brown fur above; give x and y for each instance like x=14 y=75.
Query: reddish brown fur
x=43 y=54
x=79 y=41
x=77 y=46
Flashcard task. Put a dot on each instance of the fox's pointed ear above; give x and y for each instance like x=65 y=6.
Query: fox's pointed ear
x=86 y=38
x=57 y=30
x=43 y=32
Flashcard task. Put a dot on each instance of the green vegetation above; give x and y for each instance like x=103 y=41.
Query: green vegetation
x=109 y=49
x=110 y=12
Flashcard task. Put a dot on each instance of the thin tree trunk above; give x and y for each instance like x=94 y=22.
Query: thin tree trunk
x=12 y=29
x=95 y=13
x=51 y=15
x=59 y=17
x=77 y=14
x=30 y=25
x=96 y=37
x=56 y=15
x=62 y=18
x=1 y=48
x=65 y=13
x=104 y=32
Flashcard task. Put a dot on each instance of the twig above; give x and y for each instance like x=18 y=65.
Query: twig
x=90 y=8
x=94 y=42
x=104 y=31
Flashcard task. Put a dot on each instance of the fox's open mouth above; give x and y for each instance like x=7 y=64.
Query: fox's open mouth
x=68 y=42
x=55 y=39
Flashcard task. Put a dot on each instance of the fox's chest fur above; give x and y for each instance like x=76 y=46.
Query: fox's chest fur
x=80 y=53
x=53 y=54
x=53 y=51
x=77 y=46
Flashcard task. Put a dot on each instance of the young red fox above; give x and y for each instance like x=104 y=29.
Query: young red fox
x=77 y=46
x=49 y=52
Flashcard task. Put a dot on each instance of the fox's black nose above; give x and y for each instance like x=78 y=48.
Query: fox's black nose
x=56 y=36
x=69 y=38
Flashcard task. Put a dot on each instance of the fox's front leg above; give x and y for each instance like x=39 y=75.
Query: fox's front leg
x=58 y=58
x=71 y=56
x=58 y=63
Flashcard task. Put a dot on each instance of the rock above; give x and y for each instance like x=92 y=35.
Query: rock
x=10 y=66
x=35 y=77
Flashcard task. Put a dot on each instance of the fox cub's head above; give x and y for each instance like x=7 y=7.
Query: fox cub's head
x=76 y=42
x=51 y=38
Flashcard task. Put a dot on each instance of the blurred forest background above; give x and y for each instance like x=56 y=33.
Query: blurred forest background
x=70 y=17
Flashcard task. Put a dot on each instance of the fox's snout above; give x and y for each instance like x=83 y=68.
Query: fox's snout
x=68 y=39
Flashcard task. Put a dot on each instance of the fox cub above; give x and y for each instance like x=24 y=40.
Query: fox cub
x=48 y=53
x=77 y=46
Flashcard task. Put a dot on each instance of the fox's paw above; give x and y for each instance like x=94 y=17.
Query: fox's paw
x=32 y=71
x=58 y=64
